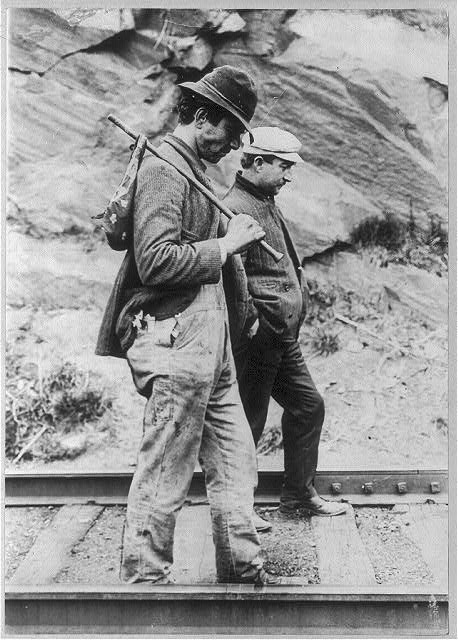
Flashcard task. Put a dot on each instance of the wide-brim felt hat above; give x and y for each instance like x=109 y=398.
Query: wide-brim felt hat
x=273 y=141
x=229 y=88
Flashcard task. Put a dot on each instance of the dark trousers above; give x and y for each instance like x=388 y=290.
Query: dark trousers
x=267 y=370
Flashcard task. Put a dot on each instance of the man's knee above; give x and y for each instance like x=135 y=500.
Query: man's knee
x=309 y=410
x=318 y=408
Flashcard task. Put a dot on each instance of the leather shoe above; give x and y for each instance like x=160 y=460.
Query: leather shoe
x=265 y=579
x=261 y=579
x=261 y=524
x=316 y=506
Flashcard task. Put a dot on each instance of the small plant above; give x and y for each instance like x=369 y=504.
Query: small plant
x=52 y=406
x=441 y=425
x=436 y=237
x=321 y=301
x=327 y=299
x=271 y=440
x=325 y=341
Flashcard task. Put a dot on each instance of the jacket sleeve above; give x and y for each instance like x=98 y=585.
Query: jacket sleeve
x=252 y=313
x=161 y=257
x=251 y=310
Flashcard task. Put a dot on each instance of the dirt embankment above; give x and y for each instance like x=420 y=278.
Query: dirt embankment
x=384 y=386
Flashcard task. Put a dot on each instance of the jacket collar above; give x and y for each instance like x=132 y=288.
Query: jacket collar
x=185 y=150
x=251 y=188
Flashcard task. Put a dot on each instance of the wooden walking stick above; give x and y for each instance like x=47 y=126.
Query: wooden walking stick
x=276 y=255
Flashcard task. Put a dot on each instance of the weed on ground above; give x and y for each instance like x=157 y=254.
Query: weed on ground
x=49 y=417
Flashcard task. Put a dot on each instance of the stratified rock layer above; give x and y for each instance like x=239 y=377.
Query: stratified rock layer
x=365 y=92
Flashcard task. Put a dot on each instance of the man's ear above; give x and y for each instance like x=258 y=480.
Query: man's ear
x=258 y=162
x=201 y=116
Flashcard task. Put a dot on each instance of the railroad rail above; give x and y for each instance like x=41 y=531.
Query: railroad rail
x=234 y=609
x=346 y=603
x=111 y=487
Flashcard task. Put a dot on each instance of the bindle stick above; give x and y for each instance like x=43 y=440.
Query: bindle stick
x=276 y=255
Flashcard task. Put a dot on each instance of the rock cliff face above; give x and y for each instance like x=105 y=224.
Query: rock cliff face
x=366 y=93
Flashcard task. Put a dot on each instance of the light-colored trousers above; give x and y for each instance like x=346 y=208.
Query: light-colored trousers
x=184 y=366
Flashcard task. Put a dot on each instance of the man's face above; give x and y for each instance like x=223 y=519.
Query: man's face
x=216 y=141
x=273 y=176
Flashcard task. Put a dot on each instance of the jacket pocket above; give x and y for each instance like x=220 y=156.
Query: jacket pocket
x=125 y=331
x=264 y=289
x=269 y=284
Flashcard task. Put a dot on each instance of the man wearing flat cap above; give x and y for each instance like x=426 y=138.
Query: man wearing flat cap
x=267 y=355
x=167 y=315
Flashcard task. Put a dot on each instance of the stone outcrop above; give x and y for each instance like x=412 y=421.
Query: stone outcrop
x=366 y=93
x=367 y=96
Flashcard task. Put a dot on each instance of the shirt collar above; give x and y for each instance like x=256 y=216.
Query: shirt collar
x=186 y=151
x=253 y=189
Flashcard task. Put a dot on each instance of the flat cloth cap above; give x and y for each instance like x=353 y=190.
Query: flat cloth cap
x=273 y=141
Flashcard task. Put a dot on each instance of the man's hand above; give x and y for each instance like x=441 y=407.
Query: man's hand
x=242 y=231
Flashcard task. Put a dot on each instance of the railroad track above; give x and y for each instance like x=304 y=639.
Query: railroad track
x=43 y=596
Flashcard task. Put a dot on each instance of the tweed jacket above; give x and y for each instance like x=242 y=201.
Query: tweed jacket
x=174 y=251
x=278 y=289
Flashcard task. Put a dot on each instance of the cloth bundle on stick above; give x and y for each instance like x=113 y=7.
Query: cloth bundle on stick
x=116 y=220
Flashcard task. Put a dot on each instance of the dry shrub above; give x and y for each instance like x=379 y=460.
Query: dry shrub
x=393 y=241
x=64 y=401
x=271 y=440
x=385 y=232
x=327 y=299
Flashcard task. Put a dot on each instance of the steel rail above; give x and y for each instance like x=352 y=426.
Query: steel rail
x=225 y=609
x=111 y=487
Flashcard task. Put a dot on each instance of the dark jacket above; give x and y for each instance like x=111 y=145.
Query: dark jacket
x=175 y=248
x=278 y=289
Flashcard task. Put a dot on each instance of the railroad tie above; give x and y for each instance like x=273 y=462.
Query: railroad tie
x=342 y=558
x=194 y=552
x=427 y=528
x=49 y=553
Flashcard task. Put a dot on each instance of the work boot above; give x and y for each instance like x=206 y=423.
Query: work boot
x=166 y=579
x=315 y=506
x=261 y=524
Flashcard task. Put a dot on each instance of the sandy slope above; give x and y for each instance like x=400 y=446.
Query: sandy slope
x=383 y=409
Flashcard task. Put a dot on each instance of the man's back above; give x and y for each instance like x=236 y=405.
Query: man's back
x=169 y=214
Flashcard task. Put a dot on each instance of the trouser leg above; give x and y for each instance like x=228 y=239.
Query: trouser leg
x=192 y=385
x=257 y=365
x=302 y=420
x=165 y=466
x=228 y=459
x=173 y=424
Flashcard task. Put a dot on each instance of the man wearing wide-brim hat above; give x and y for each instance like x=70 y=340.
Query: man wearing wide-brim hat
x=167 y=315
x=268 y=356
